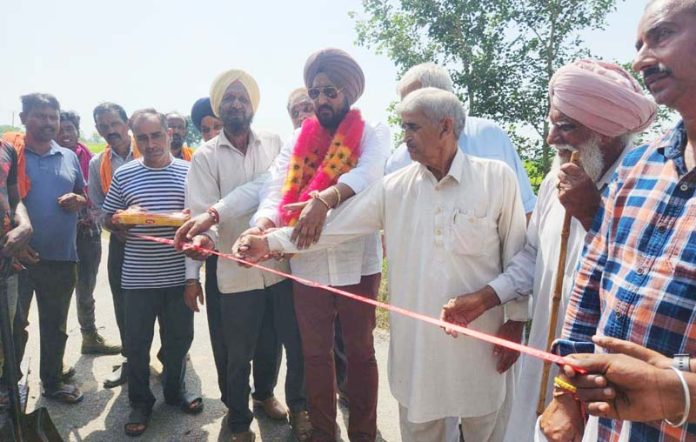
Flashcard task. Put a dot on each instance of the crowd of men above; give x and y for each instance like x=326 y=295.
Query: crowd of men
x=602 y=260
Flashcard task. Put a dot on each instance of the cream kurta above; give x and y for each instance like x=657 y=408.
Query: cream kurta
x=537 y=264
x=443 y=239
x=223 y=176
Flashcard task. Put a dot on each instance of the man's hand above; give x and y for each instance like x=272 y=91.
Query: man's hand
x=634 y=384
x=578 y=193
x=193 y=294
x=200 y=248
x=251 y=248
x=562 y=420
x=28 y=256
x=510 y=331
x=195 y=226
x=466 y=308
x=120 y=230
x=15 y=240
x=72 y=202
x=310 y=223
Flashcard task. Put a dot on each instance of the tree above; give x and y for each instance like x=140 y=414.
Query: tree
x=193 y=136
x=501 y=54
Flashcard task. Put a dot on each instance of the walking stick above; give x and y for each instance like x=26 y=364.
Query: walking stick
x=555 y=302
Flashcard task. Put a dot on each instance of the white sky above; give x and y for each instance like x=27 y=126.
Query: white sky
x=165 y=54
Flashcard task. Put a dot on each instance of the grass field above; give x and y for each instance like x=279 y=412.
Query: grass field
x=96 y=147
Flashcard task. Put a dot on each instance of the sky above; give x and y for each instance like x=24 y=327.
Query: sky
x=143 y=53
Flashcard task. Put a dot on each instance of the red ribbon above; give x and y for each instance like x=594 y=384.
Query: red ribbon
x=534 y=352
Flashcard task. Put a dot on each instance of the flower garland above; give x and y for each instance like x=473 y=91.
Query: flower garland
x=338 y=155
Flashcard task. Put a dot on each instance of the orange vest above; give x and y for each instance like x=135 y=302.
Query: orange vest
x=16 y=139
x=105 y=172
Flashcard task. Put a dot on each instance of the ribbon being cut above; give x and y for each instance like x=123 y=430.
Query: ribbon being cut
x=534 y=352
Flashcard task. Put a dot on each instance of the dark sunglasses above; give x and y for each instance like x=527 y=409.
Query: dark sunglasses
x=329 y=92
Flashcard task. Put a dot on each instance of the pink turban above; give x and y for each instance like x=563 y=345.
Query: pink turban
x=602 y=97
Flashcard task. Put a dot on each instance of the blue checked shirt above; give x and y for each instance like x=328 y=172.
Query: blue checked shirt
x=637 y=278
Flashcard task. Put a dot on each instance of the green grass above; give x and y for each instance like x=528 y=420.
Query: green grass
x=383 y=296
x=96 y=147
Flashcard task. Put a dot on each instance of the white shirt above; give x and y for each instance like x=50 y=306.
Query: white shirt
x=229 y=180
x=481 y=138
x=443 y=239
x=535 y=266
x=343 y=264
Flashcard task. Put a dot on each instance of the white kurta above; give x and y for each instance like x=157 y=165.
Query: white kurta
x=537 y=264
x=443 y=239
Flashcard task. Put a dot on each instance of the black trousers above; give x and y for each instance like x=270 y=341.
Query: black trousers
x=244 y=314
x=117 y=249
x=53 y=282
x=267 y=355
x=143 y=307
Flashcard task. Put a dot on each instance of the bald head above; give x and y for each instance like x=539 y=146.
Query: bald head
x=679 y=5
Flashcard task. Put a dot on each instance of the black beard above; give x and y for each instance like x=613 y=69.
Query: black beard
x=332 y=122
x=177 y=142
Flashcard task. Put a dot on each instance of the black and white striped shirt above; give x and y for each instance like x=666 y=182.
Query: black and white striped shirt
x=148 y=264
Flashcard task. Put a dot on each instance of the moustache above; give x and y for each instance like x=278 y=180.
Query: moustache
x=656 y=70
x=324 y=107
x=114 y=135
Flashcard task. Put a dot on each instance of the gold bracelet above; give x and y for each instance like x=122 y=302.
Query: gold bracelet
x=338 y=195
x=315 y=195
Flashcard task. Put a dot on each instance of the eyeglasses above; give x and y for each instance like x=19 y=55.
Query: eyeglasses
x=329 y=92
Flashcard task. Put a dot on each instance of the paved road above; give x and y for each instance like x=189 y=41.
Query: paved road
x=100 y=417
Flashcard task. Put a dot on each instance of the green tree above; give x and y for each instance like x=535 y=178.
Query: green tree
x=501 y=54
x=193 y=136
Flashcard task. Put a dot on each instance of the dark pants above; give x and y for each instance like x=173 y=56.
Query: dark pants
x=340 y=360
x=53 y=282
x=244 y=314
x=89 y=252
x=316 y=312
x=117 y=249
x=143 y=307
x=268 y=348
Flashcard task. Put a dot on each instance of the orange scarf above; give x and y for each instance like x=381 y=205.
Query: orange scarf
x=16 y=139
x=105 y=172
x=186 y=153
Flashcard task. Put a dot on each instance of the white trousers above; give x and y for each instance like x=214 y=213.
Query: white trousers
x=474 y=429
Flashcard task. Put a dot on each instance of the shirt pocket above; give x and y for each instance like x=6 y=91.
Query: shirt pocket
x=472 y=234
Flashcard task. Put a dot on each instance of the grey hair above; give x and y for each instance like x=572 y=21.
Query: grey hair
x=142 y=113
x=436 y=104
x=428 y=75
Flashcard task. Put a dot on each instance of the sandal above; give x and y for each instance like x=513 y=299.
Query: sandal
x=138 y=417
x=189 y=403
x=66 y=393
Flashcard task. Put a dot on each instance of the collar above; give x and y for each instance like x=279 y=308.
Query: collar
x=604 y=181
x=222 y=140
x=130 y=152
x=672 y=146
x=456 y=170
x=55 y=149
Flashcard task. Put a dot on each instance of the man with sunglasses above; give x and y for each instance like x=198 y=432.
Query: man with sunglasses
x=334 y=156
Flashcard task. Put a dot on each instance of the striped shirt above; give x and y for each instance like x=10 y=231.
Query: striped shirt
x=147 y=264
x=637 y=279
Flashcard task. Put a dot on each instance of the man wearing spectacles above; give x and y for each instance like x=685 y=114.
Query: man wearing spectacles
x=334 y=156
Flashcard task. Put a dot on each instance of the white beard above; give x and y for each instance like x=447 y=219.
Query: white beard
x=591 y=158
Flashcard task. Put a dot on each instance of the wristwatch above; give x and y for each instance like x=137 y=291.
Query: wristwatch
x=681 y=361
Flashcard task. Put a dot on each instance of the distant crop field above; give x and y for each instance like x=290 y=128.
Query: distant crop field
x=96 y=148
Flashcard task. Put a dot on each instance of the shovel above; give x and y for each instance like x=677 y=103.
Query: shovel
x=36 y=426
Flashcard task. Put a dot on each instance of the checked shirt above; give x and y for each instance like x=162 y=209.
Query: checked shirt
x=637 y=278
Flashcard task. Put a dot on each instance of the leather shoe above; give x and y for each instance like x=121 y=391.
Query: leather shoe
x=246 y=436
x=273 y=408
x=301 y=426
x=118 y=377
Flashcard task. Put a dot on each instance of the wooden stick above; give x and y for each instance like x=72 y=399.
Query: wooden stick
x=556 y=301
